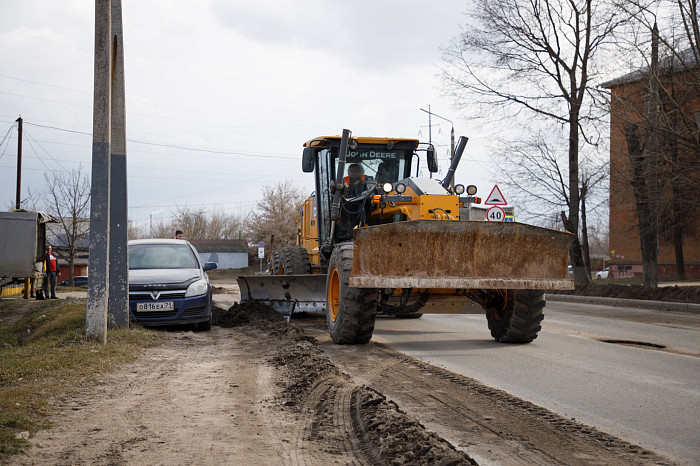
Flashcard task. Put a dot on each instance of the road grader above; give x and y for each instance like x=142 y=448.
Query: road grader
x=374 y=239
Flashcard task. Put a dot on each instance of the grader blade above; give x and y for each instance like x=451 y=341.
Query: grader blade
x=287 y=294
x=460 y=255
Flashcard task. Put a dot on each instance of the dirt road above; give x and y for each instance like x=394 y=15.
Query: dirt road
x=261 y=391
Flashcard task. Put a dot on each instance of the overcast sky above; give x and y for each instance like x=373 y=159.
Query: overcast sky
x=221 y=94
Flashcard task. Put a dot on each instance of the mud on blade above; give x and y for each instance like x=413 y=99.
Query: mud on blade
x=458 y=255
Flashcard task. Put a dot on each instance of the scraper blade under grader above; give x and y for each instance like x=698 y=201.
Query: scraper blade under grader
x=287 y=294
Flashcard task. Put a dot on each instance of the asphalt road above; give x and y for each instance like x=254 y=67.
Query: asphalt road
x=646 y=395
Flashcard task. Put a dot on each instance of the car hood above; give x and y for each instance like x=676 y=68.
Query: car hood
x=168 y=277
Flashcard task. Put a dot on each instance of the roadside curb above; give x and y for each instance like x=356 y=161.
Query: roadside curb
x=638 y=303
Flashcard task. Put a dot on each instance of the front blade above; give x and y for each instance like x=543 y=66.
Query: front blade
x=286 y=294
x=459 y=255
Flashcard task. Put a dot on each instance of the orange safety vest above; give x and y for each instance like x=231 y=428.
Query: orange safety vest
x=346 y=180
x=53 y=263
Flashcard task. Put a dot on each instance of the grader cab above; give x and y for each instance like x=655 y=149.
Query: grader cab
x=374 y=239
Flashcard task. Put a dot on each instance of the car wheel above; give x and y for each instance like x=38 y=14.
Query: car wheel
x=204 y=326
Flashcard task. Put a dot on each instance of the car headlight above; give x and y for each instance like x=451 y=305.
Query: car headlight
x=197 y=288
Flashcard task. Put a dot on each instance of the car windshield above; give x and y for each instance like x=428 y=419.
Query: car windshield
x=161 y=256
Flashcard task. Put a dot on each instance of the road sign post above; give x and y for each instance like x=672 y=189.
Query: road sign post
x=261 y=253
x=496 y=197
x=495 y=214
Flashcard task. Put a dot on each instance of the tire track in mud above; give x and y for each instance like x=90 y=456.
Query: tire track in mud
x=489 y=424
x=310 y=430
x=347 y=424
x=354 y=423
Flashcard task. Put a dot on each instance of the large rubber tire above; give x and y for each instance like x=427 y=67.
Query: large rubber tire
x=516 y=316
x=277 y=263
x=350 y=312
x=296 y=261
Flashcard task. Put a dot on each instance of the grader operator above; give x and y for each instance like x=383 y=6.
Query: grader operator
x=374 y=239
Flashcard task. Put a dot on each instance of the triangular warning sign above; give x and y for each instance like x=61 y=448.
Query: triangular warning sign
x=496 y=197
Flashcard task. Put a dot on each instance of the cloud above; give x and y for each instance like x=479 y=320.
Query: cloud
x=376 y=34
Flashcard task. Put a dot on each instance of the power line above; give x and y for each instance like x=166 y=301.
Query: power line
x=169 y=107
x=173 y=146
x=31 y=139
x=6 y=138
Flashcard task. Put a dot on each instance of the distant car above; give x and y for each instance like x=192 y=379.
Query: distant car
x=603 y=274
x=168 y=284
x=571 y=272
x=77 y=281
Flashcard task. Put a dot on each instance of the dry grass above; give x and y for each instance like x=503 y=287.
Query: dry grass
x=44 y=353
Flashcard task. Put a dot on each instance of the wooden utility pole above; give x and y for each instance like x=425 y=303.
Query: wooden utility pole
x=107 y=299
x=18 y=198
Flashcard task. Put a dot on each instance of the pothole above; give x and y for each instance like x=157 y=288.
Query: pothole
x=643 y=344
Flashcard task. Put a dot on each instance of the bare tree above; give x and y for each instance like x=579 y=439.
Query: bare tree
x=658 y=110
x=136 y=231
x=196 y=223
x=537 y=177
x=535 y=57
x=68 y=200
x=223 y=225
x=192 y=221
x=276 y=216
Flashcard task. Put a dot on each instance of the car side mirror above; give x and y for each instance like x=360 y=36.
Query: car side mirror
x=432 y=159
x=209 y=266
x=307 y=160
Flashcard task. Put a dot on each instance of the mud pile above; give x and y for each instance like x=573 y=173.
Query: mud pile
x=398 y=438
x=337 y=415
x=248 y=313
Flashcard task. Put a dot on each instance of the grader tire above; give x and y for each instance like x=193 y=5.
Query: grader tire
x=277 y=263
x=350 y=312
x=517 y=318
x=296 y=261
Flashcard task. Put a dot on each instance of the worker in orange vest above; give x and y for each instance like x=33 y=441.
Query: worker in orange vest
x=354 y=180
x=52 y=272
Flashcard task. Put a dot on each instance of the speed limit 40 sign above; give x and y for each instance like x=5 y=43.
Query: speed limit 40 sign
x=495 y=214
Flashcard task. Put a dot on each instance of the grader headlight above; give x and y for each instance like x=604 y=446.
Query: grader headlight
x=400 y=188
x=388 y=187
x=459 y=189
x=471 y=189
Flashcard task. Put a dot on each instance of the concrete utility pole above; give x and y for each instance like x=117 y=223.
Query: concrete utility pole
x=108 y=193
x=19 y=163
x=118 y=312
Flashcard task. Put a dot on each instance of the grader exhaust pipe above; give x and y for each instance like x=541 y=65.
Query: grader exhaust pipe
x=461 y=144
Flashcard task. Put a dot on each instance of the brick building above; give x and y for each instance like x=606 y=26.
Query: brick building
x=678 y=168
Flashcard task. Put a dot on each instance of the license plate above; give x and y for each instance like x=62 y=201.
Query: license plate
x=155 y=306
